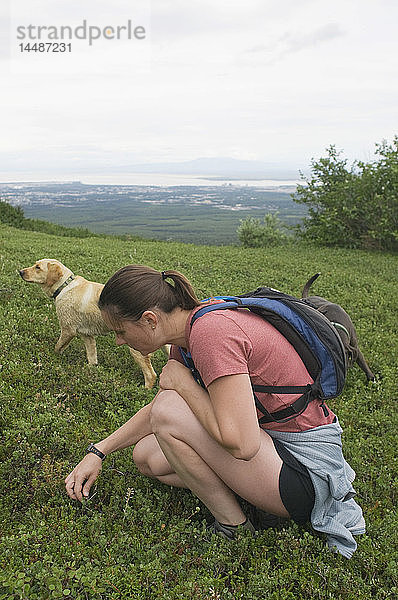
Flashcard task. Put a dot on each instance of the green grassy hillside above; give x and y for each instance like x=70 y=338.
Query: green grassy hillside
x=136 y=539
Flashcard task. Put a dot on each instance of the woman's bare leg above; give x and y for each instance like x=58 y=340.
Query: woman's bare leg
x=188 y=455
x=150 y=461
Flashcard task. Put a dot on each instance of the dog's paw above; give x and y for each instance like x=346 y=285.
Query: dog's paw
x=376 y=380
x=149 y=382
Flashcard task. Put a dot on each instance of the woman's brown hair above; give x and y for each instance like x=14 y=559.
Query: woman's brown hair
x=136 y=288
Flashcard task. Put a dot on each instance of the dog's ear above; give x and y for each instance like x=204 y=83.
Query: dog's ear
x=54 y=274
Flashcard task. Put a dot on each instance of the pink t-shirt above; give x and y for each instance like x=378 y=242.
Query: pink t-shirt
x=231 y=342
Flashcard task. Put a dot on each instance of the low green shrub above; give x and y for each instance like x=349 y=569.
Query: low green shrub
x=254 y=233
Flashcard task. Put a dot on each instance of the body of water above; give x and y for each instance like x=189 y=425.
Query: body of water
x=150 y=179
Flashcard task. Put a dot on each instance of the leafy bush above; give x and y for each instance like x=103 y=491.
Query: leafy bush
x=355 y=207
x=14 y=216
x=11 y=215
x=253 y=233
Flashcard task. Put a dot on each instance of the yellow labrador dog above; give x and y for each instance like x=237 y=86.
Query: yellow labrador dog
x=76 y=303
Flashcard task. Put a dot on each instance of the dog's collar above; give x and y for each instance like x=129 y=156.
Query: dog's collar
x=61 y=287
x=340 y=326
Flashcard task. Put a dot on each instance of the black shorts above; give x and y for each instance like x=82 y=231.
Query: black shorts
x=295 y=486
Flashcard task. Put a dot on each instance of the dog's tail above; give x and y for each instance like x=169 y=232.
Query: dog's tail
x=307 y=286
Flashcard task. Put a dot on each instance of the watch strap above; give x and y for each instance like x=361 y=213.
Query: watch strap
x=91 y=448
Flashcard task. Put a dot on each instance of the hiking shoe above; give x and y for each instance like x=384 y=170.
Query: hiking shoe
x=229 y=532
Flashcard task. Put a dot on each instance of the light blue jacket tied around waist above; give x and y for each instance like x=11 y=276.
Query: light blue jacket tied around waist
x=335 y=512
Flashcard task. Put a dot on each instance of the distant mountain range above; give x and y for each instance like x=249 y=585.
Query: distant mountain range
x=205 y=167
x=217 y=167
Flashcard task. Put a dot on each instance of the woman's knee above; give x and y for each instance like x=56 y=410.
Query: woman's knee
x=149 y=458
x=141 y=457
x=168 y=412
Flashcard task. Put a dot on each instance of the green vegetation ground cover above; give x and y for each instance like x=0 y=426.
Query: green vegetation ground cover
x=137 y=539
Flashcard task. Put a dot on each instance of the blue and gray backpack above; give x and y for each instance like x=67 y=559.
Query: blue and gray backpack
x=311 y=334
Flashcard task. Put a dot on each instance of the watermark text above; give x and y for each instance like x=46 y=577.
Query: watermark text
x=85 y=31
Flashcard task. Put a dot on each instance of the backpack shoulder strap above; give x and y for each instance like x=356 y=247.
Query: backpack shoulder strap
x=230 y=302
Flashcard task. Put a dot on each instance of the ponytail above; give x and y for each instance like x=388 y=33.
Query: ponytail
x=136 y=288
x=183 y=291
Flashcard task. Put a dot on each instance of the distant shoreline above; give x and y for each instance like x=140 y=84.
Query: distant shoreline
x=149 y=180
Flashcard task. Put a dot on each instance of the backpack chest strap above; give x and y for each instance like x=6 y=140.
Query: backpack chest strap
x=290 y=412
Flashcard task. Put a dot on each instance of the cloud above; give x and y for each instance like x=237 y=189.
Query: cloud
x=269 y=79
x=292 y=42
x=295 y=41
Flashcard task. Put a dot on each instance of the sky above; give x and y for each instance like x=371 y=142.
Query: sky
x=276 y=81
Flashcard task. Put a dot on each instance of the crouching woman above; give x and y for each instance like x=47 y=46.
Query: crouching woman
x=207 y=437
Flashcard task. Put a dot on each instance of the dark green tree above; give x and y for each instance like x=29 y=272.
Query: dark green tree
x=355 y=207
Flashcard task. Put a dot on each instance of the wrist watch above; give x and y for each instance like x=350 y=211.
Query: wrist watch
x=94 y=450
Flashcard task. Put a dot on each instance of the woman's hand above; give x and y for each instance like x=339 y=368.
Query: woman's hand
x=79 y=482
x=175 y=376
